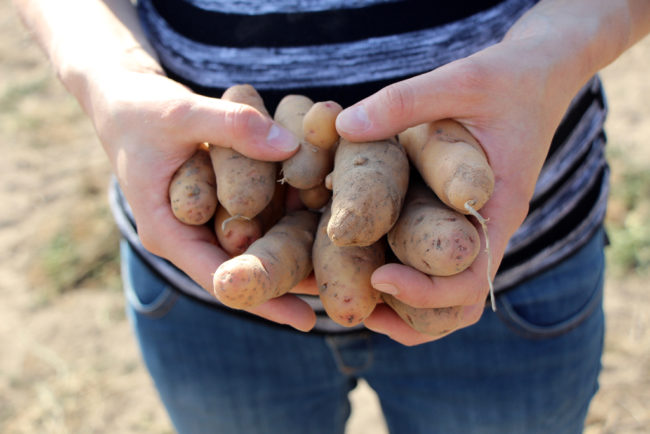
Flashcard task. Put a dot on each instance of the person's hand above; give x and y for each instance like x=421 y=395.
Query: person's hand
x=512 y=103
x=149 y=125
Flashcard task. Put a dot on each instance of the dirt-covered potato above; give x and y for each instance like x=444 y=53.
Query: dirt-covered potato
x=343 y=276
x=271 y=266
x=431 y=237
x=369 y=183
x=192 y=190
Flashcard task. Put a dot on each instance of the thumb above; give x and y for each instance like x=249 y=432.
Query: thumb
x=237 y=126
x=438 y=94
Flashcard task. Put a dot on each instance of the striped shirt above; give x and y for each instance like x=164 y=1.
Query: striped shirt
x=347 y=50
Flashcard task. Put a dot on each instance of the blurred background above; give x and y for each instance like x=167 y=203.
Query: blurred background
x=69 y=363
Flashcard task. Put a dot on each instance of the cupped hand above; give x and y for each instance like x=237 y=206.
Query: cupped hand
x=149 y=125
x=512 y=103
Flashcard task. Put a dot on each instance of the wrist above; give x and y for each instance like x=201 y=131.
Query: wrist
x=106 y=36
x=85 y=73
x=574 y=40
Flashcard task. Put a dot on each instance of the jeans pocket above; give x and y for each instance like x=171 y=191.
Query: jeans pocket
x=145 y=291
x=559 y=299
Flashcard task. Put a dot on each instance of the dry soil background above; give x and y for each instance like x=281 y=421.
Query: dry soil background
x=68 y=362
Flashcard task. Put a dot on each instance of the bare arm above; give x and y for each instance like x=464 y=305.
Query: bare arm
x=108 y=35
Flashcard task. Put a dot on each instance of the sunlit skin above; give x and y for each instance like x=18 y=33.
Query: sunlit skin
x=510 y=97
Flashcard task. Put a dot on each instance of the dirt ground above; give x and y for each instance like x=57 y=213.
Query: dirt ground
x=69 y=363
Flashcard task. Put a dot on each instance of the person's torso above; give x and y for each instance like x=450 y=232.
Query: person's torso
x=346 y=50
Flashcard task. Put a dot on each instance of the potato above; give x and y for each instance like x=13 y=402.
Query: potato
x=275 y=210
x=244 y=186
x=369 y=183
x=451 y=162
x=343 y=276
x=315 y=197
x=308 y=167
x=271 y=266
x=319 y=124
x=429 y=321
x=235 y=235
x=431 y=237
x=192 y=190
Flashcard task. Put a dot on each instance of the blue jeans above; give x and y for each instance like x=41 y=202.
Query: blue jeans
x=531 y=367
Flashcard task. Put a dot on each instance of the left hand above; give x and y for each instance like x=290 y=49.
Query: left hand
x=512 y=103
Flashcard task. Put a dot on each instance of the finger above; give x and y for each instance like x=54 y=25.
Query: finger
x=193 y=249
x=466 y=288
x=288 y=309
x=385 y=321
x=420 y=290
x=423 y=291
x=237 y=126
x=413 y=101
x=306 y=286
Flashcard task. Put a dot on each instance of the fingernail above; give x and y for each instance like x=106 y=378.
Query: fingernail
x=281 y=139
x=386 y=288
x=353 y=120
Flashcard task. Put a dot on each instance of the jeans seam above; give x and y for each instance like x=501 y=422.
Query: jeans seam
x=340 y=363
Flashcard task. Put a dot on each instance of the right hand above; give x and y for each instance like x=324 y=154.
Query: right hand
x=512 y=109
x=149 y=125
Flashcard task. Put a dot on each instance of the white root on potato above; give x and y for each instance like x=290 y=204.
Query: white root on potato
x=451 y=161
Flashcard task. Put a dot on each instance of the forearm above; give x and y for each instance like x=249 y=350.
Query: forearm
x=577 y=38
x=97 y=37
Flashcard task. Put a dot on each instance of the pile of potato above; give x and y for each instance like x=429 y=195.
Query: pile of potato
x=361 y=207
